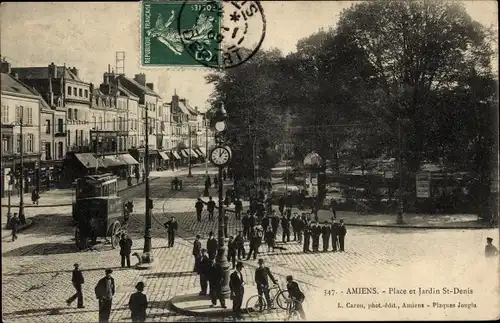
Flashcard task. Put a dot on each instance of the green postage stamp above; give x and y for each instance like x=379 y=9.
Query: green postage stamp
x=181 y=33
x=212 y=33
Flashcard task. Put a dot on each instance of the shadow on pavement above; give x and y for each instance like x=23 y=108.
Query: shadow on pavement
x=82 y=267
x=48 y=311
x=42 y=249
x=52 y=224
x=158 y=304
x=171 y=274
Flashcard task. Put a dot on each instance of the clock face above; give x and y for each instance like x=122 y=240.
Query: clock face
x=220 y=156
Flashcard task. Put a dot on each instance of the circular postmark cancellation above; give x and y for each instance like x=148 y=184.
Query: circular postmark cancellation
x=222 y=34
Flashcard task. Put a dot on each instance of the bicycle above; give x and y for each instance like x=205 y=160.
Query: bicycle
x=292 y=314
x=256 y=304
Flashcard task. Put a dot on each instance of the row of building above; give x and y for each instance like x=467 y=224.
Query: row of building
x=71 y=127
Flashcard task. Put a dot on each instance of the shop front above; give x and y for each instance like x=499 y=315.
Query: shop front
x=163 y=160
x=51 y=174
x=176 y=159
x=11 y=166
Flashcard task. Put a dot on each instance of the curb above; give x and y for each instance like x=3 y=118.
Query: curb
x=70 y=204
x=213 y=314
x=29 y=224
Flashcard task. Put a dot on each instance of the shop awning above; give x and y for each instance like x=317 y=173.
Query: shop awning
x=88 y=160
x=203 y=151
x=185 y=153
x=176 y=155
x=113 y=161
x=199 y=152
x=194 y=154
x=163 y=155
x=127 y=158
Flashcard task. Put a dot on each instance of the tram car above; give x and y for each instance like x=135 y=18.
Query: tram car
x=98 y=210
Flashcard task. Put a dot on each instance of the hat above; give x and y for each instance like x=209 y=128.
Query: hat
x=76 y=264
x=341 y=220
x=489 y=239
x=203 y=250
x=261 y=261
x=140 y=286
x=289 y=277
x=108 y=271
x=211 y=233
x=239 y=264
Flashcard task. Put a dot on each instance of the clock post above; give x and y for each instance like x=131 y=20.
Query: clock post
x=221 y=156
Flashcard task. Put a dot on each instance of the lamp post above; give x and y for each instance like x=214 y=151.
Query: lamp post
x=399 y=219
x=189 y=152
x=221 y=260
x=206 y=150
x=22 y=218
x=147 y=256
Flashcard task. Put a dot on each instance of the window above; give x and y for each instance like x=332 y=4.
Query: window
x=19 y=113
x=75 y=114
x=60 y=123
x=5 y=113
x=114 y=124
x=86 y=93
x=74 y=91
x=80 y=92
x=69 y=90
x=59 y=150
x=77 y=139
x=47 y=126
x=120 y=124
x=29 y=119
x=81 y=137
x=18 y=143
x=70 y=115
x=47 y=151
x=101 y=124
x=5 y=145
x=68 y=138
x=29 y=143
x=94 y=120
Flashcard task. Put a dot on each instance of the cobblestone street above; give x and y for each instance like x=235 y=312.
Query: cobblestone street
x=37 y=267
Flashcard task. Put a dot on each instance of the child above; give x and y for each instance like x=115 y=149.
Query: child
x=270 y=238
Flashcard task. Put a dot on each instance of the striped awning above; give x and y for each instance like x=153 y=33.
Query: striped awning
x=176 y=155
x=127 y=158
x=203 y=151
x=163 y=155
x=194 y=154
x=185 y=153
x=199 y=152
x=112 y=161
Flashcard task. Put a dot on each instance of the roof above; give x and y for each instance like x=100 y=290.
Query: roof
x=121 y=88
x=42 y=73
x=10 y=84
x=186 y=109
x=139 y=86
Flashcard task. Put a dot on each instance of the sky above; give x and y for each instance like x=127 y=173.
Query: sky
x=88 y=35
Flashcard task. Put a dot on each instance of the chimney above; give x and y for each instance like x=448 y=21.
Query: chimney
x=140 y=78
x=196 y=109
x=150 y=85
x=53 y=71
x=106 y=78
x=74 y=71
x=16 y=76
x=5 y=67
x=91 y=89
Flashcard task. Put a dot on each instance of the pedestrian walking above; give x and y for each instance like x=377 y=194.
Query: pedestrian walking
x=199 y=208
x=333 y=208
x=236 y=285
x=14 y=224
x=334 y=232
x=265 y=222
x=295 y=225
x=275 y=222
x=490 y=250
x=325 y=234
x=216 y=181
x=171 y=226
x=245 y=221
x=238 y=207
x=255 y=242
x=125 y=249
x=211 y=245
x=77 y=280
x=35 y=196
x=285 y=226
x=342 y=234
x=261 y=280
x=231 y=251
x=137 y=176
x=201 y=269
x=281 y=205
x=208 y=182
x=196 y=250
x=215 y=278
x=270 y=238
x=240 y=245
x=138 y=304
x=210 y=208
x=104 y=292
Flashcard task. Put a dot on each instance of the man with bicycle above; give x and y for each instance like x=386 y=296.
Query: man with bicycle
x=262 y=281
x=296 y=295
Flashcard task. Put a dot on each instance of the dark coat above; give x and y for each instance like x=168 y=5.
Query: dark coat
x=196 y=248
x=238 y=240
x=212 y=245
x=334 y=229
x=77 y=277
x=100 y=288
x=245 y=221
x=236 y=284
x=202 y=265
x=238 y=206
x=294 y=291
x=199 y=206
x=171 y=226
x=211 y=206
x=261 y=276
x=325 y=230
x=125 y=246
x=265 y=222
x=252 y=220
x=232 y=247
x=342 y=230
x=275 y=222
x=285 y=224
x=138 y=304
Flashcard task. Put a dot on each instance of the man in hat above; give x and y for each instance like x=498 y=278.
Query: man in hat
x=236 y=284
x=325 y=234
x=210 y=208
x=138 y=303
x=196 y=250
x=215 y=278
x=261 y=279
x=285 y=226
x=14 y=224
x=245 y=221
x=201 y=269
x=231 y=251
x=255 y=242
x=238 y=207
x=275 y=222
x=77 y=280
x=211 y=245
x=296 y=294
x=307 y=238
x=125 y=249
x=490 y=250
x=240 y=245
x=342 y=233
x=199 y=208
x=334 y=232
x=171 y=226
x=104 y=292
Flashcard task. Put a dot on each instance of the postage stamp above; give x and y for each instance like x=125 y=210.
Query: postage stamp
x=213 y=33
x=161 y=29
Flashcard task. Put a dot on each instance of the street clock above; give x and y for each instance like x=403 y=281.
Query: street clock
x=220 y=156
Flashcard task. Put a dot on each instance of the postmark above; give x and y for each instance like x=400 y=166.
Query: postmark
x=237 y=39
x=161 y=30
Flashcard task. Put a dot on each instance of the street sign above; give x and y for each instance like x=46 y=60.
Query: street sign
x=423 y=183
